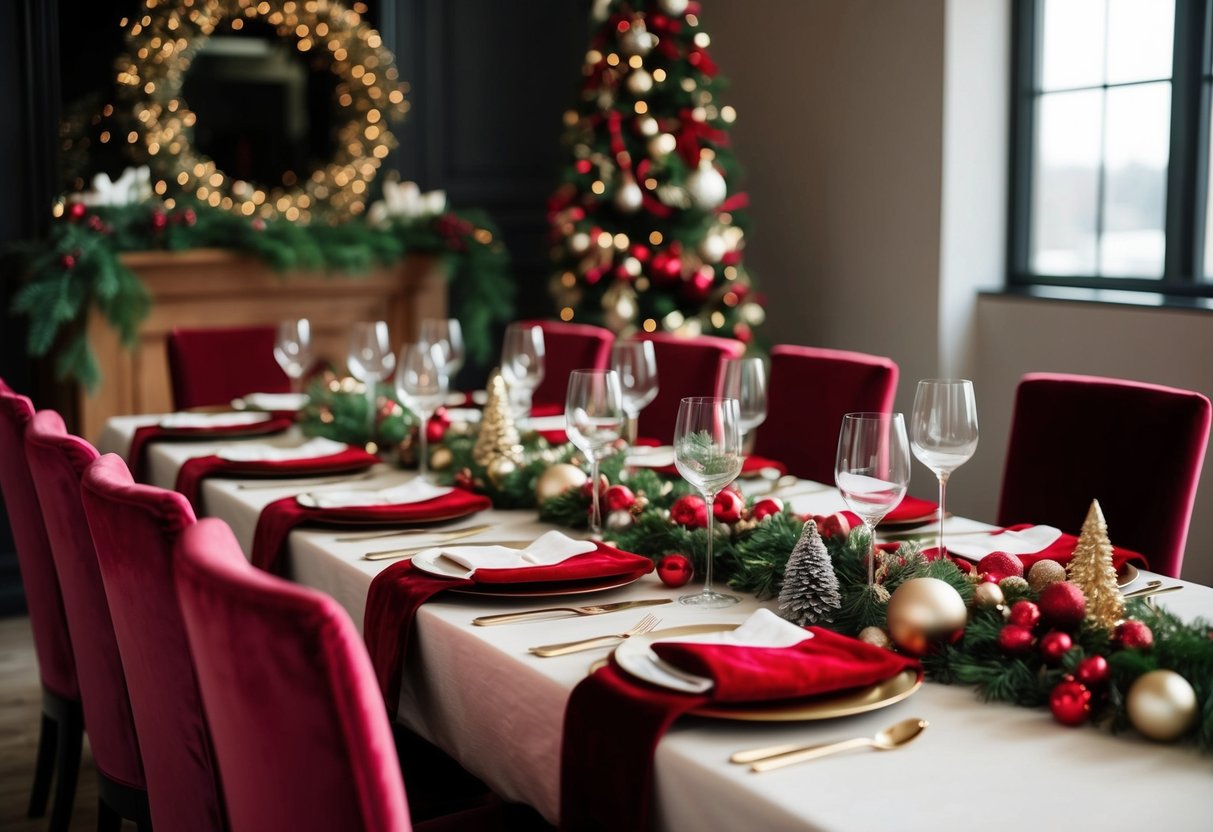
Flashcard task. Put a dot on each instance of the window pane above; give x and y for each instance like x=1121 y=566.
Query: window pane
x=1140 y=34
x=1136 y=147
x=1073 y=44
x=1065 y=182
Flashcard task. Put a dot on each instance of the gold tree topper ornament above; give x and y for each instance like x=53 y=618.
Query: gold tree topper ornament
x=498 y=439
x=1093 y=571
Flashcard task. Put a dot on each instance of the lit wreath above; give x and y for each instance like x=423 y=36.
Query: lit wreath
x=162 y=43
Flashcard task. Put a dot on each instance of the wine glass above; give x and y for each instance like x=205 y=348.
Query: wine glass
x=707 y=452
x=421 y=384
x=636 y=364
x=943 y=431
x=370 y=359
x=522 y=363
x=594 y=416
x=447 y=333
x=745 y=379
x=872 y=469
x=293 y=350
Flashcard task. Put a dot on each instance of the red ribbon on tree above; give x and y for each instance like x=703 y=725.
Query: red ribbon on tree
x=733 y=203
x=692 y=134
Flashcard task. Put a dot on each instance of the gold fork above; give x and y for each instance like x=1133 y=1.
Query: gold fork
x=549 y=650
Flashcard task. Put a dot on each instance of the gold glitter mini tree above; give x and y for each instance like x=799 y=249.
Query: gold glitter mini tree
x=1093 y=571
x=498 y=437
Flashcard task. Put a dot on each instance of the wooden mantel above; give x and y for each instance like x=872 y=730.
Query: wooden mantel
x=213 y=288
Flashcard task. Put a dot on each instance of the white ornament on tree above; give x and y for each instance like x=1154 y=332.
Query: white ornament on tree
x=628 y=197
x=673 y=7
x=637 y=40
x=662 y=145
x=713 y=247
x=648 y=126
x=706 y=186
x=639 y=82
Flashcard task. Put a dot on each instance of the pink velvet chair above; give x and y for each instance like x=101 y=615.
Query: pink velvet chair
x=135 y=528
x=568 y=347
x=810 y=390
x=1137 y=448
x=685 y=367
x=214 y=366
x=57 y=461
x=62 y=728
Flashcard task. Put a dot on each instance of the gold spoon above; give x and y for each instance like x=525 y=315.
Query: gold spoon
x=890 y=738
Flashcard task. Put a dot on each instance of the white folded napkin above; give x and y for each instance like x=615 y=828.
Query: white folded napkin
x=1025 y=542
x=542 y=423
x=272 y=401
x=551 y=548
x=413 y=491
x=464 y=414
x=762 y=629
x=177 y=421
x=642 y=456
x=260 y=452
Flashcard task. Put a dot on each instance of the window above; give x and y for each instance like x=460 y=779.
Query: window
x=1110 y=175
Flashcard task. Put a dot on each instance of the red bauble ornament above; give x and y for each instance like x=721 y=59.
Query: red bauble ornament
x=1025 y=614
x=618 y=498
x=76 y=210
x=766 y=507
x=1070 y=702
x=675 y=571
x=67 y=261
x=1054 y=645
x=159 y=220
x=727 y=506
x=833 y=525
x=258 y=224
x=189 y=216
x=1093 y=671
x=583 y=166
x=742 y=332
x=690 y=511
x=1063 y=604
x=435 y=429
x=1015 y=639
x=95 y=223
x=587 y=487
x=1134 y=635
x=465 y=480
x=1000 y=564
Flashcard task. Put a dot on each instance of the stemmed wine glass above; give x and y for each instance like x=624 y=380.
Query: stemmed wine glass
x=707 y=452
x=636 y=364
x=522 y=363
x=293 y=350
x=593 y=412
x=745 y=379
x=448 y=334
x=943 y=431
x=370 y=359
x=421 y=384
x=872 y=469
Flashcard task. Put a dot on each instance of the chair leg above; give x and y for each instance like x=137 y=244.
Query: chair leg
x=44 y=768
x=108 y=819
x=67 y=769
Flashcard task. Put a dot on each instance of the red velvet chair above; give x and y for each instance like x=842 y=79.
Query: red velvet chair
x=567 y=347
x=214 y=366
x=685 y=367
x=1137 y=448
x=135 y=528
x=810 y=390
x=62 y=728
x=57 y=461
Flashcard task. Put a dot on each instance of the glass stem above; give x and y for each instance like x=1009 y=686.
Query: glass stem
x=370 y=411
x=297 y=383
x=871 y=530
x=595 y=507
x=710 y=499
x=424 y=459
x=943 y=489
x=633 y=427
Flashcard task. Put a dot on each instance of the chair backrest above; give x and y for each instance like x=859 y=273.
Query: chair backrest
x=810 y=390
x=1137 y=448
x=685 y=367
x=298 y=722
x=52 y=644
x=135 y=528
x=214 y=366
x=568 y=347
x=57 y=461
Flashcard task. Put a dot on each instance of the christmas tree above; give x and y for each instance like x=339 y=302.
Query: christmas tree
x=646 y=226
x=1093 y=571
x=809 y=594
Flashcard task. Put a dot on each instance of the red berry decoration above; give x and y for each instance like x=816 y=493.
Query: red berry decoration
x=690 y=511
x=675 y=571
x=727 y=506
x=766 y=507
x=159 y=220
x=618 y=498
x=189 y=216
x=833 y=525
x=1070 y=702
x=1054 y=645
x=1062 y=604
x=76 y=210
x=1014 y=639
x=1000 y=564
x=1025 y=614
x=1092 y=671
x=258 y=224
x=67 y=261
x=1134 y=635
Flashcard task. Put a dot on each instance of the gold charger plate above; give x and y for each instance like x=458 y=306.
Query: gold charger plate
x=829 y=706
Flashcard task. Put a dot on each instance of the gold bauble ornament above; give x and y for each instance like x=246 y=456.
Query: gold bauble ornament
x=558 y=479
x=875 y=636
x=1013 y=583
x=922 y=611
x=1045 y=572
x=619 y=306
x=988 y=596
x=1161 y=705
x=637 y=40
x=648 y=126
x=500 y=468
x=620 y=520
x=662 y=145
x=441 y=459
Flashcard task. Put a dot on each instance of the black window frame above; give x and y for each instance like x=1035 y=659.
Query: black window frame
x=1187 y=169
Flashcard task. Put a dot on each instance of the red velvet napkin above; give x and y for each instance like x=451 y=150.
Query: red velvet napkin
x=279 y=517
x=191 y=474
x=613 y=716
x=136 y=455
x=1061 y=550
x=398 y=591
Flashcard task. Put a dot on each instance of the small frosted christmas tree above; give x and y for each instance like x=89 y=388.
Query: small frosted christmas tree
x=1093 y=571
x=810 y=588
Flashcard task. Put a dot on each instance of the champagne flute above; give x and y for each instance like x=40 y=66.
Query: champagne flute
x=370 y=359
x=421 y=383
x=594 y=416
x=943 y=431
x=522 y=363
x=636 y=364
x=707 y=452
x=745 y=379
x=293 y=350
x=872 y=469
x=447 y=333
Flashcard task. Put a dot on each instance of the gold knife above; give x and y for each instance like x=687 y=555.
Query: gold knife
x=446 y=534
x=595 y=609
x=390 y=554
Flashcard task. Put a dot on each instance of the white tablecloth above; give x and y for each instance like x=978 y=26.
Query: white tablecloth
x=478 y=694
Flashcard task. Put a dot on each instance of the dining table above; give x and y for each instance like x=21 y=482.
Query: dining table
x=477 y=693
